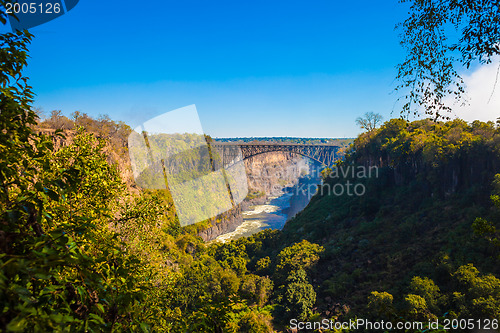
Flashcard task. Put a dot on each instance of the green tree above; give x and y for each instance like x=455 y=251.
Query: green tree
x=256 y=289
x=254 y=322
x=417 y=308
x=262 y=265
x=302 y=255
x=297 y=296
x=380 y=304
x=427 y=289
x=481 y=293
x=230 y=255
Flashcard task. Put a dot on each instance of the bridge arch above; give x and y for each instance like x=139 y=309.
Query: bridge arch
x=283 y=151
x=322 y=153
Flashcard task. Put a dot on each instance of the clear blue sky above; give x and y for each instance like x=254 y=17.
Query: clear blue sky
x=253 y=68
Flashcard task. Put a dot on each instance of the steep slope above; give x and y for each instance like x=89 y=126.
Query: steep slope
x=413 y=216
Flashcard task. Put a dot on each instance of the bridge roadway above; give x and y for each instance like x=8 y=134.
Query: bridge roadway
x=230 y=151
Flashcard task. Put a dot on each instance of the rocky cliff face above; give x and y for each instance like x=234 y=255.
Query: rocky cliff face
x=271 y=172
x=223 y=224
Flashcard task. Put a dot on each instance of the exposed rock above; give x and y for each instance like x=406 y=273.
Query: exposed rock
x=271 y=172
x=223 y=224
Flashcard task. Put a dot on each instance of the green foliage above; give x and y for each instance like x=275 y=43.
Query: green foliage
x=230 y=255
x=488 y=228
x=380 y=304
x=253 y=194
x=437 y=35
x=257 y=320
x=255 y=323
x=70 y=271
x=399 y=142
x=417 y=308
x=481 y=293
x=425 y=288
x=263 y=265
x=297 y=296
x=301 y=255
x=256 y=289
x=466 y=294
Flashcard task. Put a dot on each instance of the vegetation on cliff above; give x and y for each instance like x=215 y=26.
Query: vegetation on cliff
x=412 y=246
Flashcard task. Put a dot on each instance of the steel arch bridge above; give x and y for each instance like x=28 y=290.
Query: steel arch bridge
x=324 y=154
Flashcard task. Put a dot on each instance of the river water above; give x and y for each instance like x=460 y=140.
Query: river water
x=277 y=210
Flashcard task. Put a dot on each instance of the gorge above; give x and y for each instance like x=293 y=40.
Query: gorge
x=274 y=180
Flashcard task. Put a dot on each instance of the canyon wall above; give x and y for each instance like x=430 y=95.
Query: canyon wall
x=271 y=172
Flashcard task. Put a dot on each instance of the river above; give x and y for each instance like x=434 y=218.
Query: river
x=277 y=210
